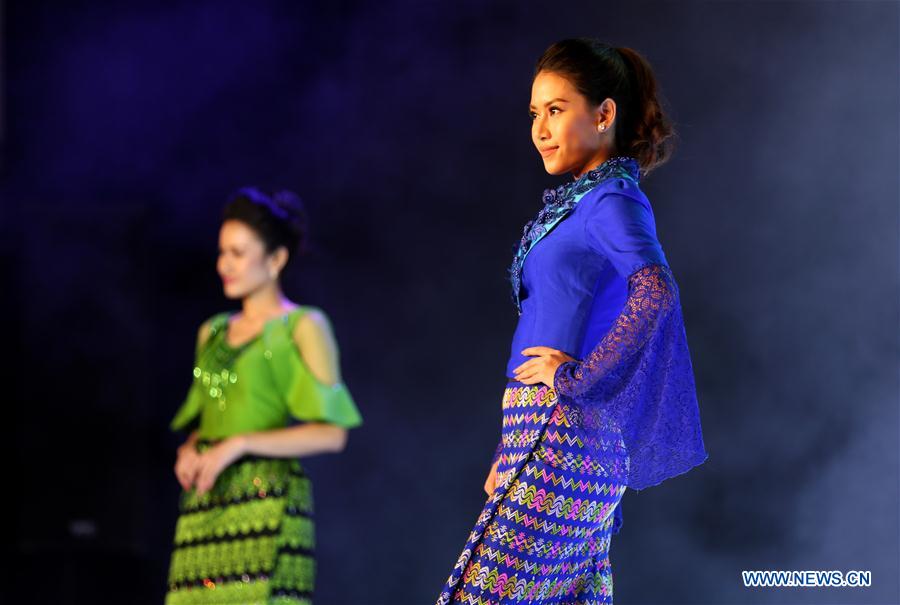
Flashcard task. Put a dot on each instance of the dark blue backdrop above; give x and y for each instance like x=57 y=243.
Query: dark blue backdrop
x=404 y=126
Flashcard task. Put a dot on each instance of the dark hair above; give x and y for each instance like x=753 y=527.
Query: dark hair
x=600 y=71
x=278 y=218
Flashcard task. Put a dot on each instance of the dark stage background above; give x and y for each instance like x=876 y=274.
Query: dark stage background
x=404 y=126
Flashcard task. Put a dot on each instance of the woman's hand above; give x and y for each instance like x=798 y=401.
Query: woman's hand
x=187 y=463
x=490 y=483
x=543 y=367
x=216 y=459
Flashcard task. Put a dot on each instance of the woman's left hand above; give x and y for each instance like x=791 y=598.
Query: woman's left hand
x=543 y=367
x=216 y=459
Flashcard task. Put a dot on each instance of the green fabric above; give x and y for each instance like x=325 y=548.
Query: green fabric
x=259 y=385
x=251 y=539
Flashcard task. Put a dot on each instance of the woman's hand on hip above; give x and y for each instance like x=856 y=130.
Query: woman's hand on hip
x=542 y=367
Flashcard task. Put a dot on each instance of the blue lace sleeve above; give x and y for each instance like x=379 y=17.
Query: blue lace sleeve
x=651 y=295
x=640 y=376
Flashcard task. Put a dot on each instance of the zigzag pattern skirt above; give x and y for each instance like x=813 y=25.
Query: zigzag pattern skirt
x=248 y=541
x=543 y=536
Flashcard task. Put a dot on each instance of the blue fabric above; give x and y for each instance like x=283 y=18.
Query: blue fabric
x=596 y=284
x=617 y=524
x=573 y=279
x=544 y=533
x=558 y=203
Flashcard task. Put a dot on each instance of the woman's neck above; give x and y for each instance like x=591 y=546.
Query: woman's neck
x=265 y=304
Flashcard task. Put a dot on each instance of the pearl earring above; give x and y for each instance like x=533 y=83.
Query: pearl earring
x=602 y=127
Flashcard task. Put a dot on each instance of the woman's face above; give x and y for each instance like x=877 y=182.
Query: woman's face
x=565 y=128
x=243 y=263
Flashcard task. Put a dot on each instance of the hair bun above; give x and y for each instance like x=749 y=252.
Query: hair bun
x=288 y=201
x=295 y=210
x=278 y=217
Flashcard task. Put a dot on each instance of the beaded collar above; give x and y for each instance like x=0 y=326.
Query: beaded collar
x=558 y=203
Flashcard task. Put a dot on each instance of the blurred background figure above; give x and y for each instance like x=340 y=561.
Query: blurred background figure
x=245 y=532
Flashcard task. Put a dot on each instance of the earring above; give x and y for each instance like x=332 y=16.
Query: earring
x=602 y=127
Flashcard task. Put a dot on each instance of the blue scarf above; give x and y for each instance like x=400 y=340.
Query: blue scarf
x=557 y=205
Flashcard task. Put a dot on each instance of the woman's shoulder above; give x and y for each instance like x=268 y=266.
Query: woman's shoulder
x=310 y=321
x=614 y=197
x=211 y=325
x=216 y=321
x=314 y=338
x=619 y=187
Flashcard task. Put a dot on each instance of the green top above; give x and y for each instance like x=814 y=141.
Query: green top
x=258 y=385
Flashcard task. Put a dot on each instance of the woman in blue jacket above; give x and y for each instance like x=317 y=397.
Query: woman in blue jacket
x=601 y=393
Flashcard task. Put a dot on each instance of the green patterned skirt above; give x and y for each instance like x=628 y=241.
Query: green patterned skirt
x=249 y=540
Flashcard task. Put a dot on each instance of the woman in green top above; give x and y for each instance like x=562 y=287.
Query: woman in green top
x=245 y=531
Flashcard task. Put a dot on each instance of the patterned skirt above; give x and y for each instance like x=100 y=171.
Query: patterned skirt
x=543 y=536
x=249 y=540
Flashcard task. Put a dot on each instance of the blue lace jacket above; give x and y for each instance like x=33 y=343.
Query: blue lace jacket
x=637 y=370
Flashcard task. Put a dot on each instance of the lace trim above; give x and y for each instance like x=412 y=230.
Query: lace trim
x=652 y=294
